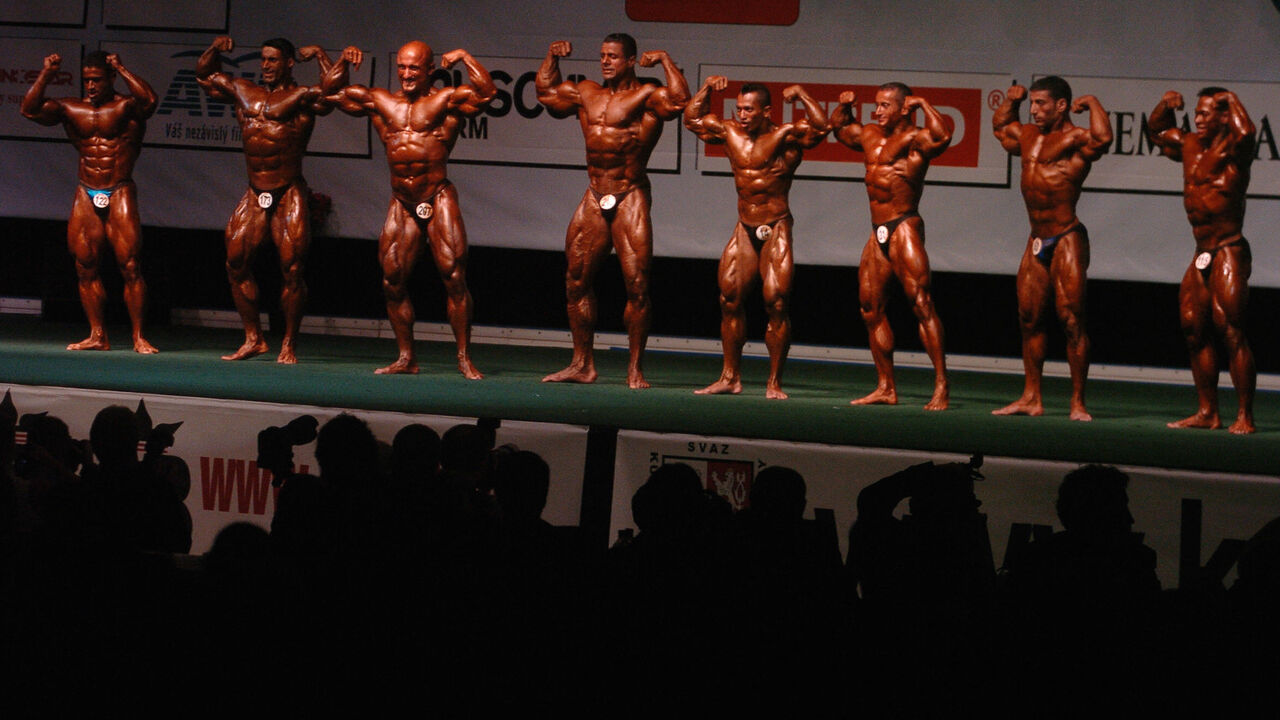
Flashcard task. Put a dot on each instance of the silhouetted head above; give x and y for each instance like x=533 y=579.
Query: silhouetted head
x=415 y=454
x=347 y=451
x=465 y=449
x=114 y=437
x=521 y=481
x=1093 y=500
x=779 y=493
x=671 y=499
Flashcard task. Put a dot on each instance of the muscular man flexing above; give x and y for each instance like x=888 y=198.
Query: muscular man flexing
x=897 y=154
x=1216 y=160
x=419 y=126
x=106 y=129
x=621 y=122
x=1056 y=158
x=764 y=158
x=276 y=120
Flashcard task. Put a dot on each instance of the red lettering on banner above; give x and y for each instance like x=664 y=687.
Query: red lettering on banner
x=732 y=12
x=961 y=110
x=223 y=478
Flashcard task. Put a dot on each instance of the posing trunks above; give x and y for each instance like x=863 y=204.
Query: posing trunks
x=885 y=232
x=609 y=203
x=269 y=199
x=760 y=234
x=1043 y=248
x=101 y=198
x=424 y=209
x=1204 y=260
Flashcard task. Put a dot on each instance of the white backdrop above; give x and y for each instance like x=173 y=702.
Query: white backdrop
x=1138 y=235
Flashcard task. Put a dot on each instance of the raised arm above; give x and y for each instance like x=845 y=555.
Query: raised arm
x=698 y=116
x=1005 y=120
x=1242 y=127
x=810 y=130
x=1098 y=138
x=35 y=106
x=144 y=98
x=848 y=131
x=1162 y=126
x=560 y=98
x=470 y=99
x=668 y=101
x=306 y=53
x=209 y=73
x=936 y=137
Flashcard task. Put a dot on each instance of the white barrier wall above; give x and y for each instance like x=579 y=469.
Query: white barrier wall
x=219 y=442
x=1014 y=491
x=520 y=173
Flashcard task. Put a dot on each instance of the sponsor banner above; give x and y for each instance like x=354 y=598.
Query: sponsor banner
x=188 y=118
x=736 y=12
x=21 y=61
x=1133 y=164
x=218 y=441
x=965 y=100
x=202 y=15
x=1014 y=491
x=517 y=130
x=44 y=12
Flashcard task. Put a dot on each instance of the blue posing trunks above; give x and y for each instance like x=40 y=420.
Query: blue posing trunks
x=101 y=198
x=1204 y=260
x=1043 y=248
x=885 y=232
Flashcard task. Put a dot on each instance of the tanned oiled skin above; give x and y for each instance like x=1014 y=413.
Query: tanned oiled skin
x=897 y=155
x=1216 y=161
x=106 y=129
x=621 y=122
x=1056 y=158
x=276 y=120
x=764 y=158
x=419 y=125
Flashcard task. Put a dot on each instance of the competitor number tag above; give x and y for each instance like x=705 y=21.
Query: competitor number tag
x=1203 y=260
x=882 y=234
x=265 y=200
x=607 y=202
x=423 y=211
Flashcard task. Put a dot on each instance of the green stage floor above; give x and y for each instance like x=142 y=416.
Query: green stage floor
x=1128 y=427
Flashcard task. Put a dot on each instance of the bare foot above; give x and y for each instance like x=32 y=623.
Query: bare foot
x=574 y=374
x=1023 y=406
x=287 y=357
x=93 y=342
x=941 y=399
x=774 y=392
x=881 y=396
x=469 y=371
x=402 y=366
x=636 y=381
x=721 y=387
x=1079 y=413
x=249 y=349
x=1206 y=420
x=1242 y=426
x=142 y=347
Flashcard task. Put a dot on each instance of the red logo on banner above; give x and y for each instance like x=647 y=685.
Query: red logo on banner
x=729 y=12
x=959 y=106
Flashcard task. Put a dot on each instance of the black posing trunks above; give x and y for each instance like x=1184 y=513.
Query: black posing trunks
x=609 y=212
x=1043 y=248
x=761 y=233
x=882 y=238
x=1204 y=260
x=269 y=199
x=423 y=210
